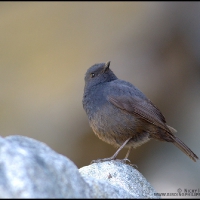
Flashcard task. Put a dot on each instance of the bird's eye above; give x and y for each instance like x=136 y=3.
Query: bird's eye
x=92 y=75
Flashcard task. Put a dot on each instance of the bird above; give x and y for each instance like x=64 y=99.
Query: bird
x=121 y=115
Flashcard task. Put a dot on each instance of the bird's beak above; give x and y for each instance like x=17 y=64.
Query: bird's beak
x=106 y=67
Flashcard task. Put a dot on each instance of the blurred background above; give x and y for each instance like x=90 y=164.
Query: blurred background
x=46 y=48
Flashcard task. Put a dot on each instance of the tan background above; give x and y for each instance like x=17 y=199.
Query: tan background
x=46 y=48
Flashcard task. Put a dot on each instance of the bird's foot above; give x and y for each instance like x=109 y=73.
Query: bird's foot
x=133 y=165
x=102 y=160
x=125 y=160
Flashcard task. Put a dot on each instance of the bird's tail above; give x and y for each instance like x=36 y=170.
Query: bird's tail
x=181 y=145
x=184 y=148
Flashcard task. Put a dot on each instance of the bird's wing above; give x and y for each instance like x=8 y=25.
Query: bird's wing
x=140 y=107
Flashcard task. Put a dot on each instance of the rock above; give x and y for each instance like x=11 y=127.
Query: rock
x=30 y=169
x=105 y=177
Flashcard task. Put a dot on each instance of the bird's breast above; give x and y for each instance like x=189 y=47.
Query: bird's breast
x=113 y=125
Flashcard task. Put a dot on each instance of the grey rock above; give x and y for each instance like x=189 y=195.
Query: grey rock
x=105 y=177
x=30 y=169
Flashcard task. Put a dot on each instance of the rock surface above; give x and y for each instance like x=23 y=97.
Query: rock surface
x=30 y=169
x=117 y=175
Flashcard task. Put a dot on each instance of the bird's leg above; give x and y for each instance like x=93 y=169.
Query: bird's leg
x=116 y=153
x=127 y=154
x=126 y=158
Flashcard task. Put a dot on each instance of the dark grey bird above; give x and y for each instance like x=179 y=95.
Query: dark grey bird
x=121 y=115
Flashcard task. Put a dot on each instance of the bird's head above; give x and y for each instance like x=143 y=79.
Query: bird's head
x=98 y=74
